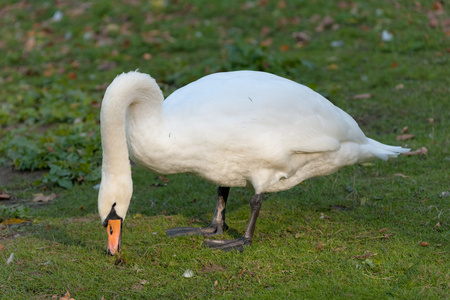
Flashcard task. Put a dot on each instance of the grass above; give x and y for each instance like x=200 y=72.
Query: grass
x=372 y=231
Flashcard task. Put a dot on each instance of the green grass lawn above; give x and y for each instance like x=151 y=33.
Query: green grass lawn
x=373 y=231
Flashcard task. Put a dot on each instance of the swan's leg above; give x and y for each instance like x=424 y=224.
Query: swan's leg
x=218 y=224
x=246 y=239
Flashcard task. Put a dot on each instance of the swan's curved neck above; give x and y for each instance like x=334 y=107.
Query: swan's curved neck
x=132 y=101
x=129 y=101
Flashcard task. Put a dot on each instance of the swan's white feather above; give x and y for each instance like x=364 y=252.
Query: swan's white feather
x=241 y=128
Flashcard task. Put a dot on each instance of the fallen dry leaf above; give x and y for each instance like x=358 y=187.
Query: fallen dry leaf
x=66 y=297
x=362 y=96
x=319 y=246
x=301 y=37
x=404 y=137
x=433 y=22
x=4 y=196
x=166 y=181
x=267 y=42
x=1 y=247
x=405 y=129
x=72 y=76
x=400 y=175
x=281 y=4
x=420 y=151
x=365 y=255
x=326 y=22
x=438 y=7
x=399 y=86
x=29 y=44
x=12 y=221
x=194 y=221
x=285 y=48
x=265 y=31
x=43 y=198
x=333 y=67
x=107 y=65
x=383 y=230
x=424 y=244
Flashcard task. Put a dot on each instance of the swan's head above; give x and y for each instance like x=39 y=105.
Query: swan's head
x=113 y=201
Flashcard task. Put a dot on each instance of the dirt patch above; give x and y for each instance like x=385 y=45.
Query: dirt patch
x=9 y=176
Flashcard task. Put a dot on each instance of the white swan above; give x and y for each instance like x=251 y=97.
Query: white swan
x=234 y=129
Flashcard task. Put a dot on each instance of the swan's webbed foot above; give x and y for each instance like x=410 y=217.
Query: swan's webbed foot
x=227 y=245
x=207 y=231
x=246 y=239
x=218 y=224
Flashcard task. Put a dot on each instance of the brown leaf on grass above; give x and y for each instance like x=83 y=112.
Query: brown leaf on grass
x=433 y=22
x=66 y=297
x=399 y=86
x=421 y=151
x=96 y=104
x=326 y=22
x=212 y=269
x=166 y=181
x=285 y=48
x=362 y=96
x=194 y=221
x=365 y=255
x=265 y=31
x=72 y=76
x=4 y=196
x=301 y=37
x=383 y=230
x=405 y=129
x=281 y=4
x=333 y=67
x=43 y=198
x=262 y=3
x=107 y=65
x=12 y=222
x=404 y=137
x=267 y=42
x=314 y=18
x=400 y=175
x=1 y=247
x=387 y=235
x=438 y=7
x=289 y=21
x=30 y=43
x=319 y=246
x=424 y=244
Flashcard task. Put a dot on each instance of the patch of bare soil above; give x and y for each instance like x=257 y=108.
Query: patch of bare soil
x=12 y=180
x=8 y=175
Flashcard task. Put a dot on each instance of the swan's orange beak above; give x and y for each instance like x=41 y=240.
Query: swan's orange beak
x=114 y=231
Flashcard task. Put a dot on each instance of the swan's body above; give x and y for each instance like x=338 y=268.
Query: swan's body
x=240 y=128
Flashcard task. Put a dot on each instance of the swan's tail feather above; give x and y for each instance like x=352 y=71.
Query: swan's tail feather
x=385 y=152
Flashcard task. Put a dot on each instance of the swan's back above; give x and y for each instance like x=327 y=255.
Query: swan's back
x=249 y=103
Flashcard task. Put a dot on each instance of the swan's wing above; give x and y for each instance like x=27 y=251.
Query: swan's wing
x=248 y=107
